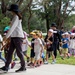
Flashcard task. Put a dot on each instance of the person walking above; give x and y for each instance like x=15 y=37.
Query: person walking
x=57 y=37
x=16 y=34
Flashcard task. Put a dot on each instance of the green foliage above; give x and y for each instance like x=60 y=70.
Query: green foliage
x=70 y=22
x=4 y=21
x=51 y=10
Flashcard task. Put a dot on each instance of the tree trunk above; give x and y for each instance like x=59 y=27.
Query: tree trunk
x=46 y=17
x=47 y=22
x=29 y=19
x=3 y=7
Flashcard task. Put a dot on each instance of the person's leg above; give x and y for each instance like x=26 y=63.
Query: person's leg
x=55 y=49
x=18 y=43
x=10 y=52
x=32 y=56
x=25 y=53
x=46 y=61
x=37 y=59
x=15 y=56
x=9 y=57
x=74 y=52
x=5 y=53
x=70 y=51
x=53 y=57
x=2 y=57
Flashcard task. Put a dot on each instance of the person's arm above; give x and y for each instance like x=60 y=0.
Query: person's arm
x=59 y=36
x=14 y=25
x=40 y=42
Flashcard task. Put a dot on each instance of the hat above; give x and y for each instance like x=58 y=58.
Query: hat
x=32 y=33
x=14 y=7
x=73 y=34
x=66 y=33
x=53 y=25
x=51 y=30
x=63 y=34
x=73 y=26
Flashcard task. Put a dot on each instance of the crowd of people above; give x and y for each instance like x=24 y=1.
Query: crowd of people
x=42 y=48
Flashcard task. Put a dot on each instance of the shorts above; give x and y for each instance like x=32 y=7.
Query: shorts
x=32 y=54
x=25 y=52
x=50 y=49
x=37 y=56
x=49 y=52
x=65 y=50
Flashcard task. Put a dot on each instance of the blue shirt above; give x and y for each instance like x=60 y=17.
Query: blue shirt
x=65 y=42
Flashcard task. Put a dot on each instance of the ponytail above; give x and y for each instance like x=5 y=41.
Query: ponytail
x=19 y=15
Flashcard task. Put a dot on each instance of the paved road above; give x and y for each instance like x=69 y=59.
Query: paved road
x=50 y=69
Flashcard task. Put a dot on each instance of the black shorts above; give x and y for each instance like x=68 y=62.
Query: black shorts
x=32 y=54
x=50 y=49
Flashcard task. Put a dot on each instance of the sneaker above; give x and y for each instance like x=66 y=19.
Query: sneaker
x=12 y=65
x=53 y=62
x=30 y=64
x=21 y=69
x=46 y=62
x=4 y=69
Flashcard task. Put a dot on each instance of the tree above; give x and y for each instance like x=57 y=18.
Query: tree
x=55 y=11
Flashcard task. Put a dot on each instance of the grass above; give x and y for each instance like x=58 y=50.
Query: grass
x=69 y=61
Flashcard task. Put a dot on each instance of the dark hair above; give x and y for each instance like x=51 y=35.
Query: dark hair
x=18 y=14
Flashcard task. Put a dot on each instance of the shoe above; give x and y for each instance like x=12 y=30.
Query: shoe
x=4 y=69
x=46 y=62
x=29 y=64
x=21 y=69
x=12 y=65
x=53 y=62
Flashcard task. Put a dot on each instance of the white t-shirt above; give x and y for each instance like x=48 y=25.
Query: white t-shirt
x=25 y=44
x=37 y=43
x=72 y=43
x=16 y=28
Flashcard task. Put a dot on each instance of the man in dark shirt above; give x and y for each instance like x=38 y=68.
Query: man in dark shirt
x=56 y=38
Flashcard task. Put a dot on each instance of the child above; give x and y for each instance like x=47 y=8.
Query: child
x=43 y=43
x=49 y=45
x=72 y=45
x=65 y=42
x=38 y=47
x=32 y=54
x=25 y=45
x=1 y=39
x=6 y=50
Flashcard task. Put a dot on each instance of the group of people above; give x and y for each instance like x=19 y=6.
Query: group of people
x=15 y=39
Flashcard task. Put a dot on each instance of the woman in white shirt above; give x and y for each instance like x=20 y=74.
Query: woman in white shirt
x=16 y=34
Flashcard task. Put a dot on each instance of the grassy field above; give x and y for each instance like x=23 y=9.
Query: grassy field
x=70 y=61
